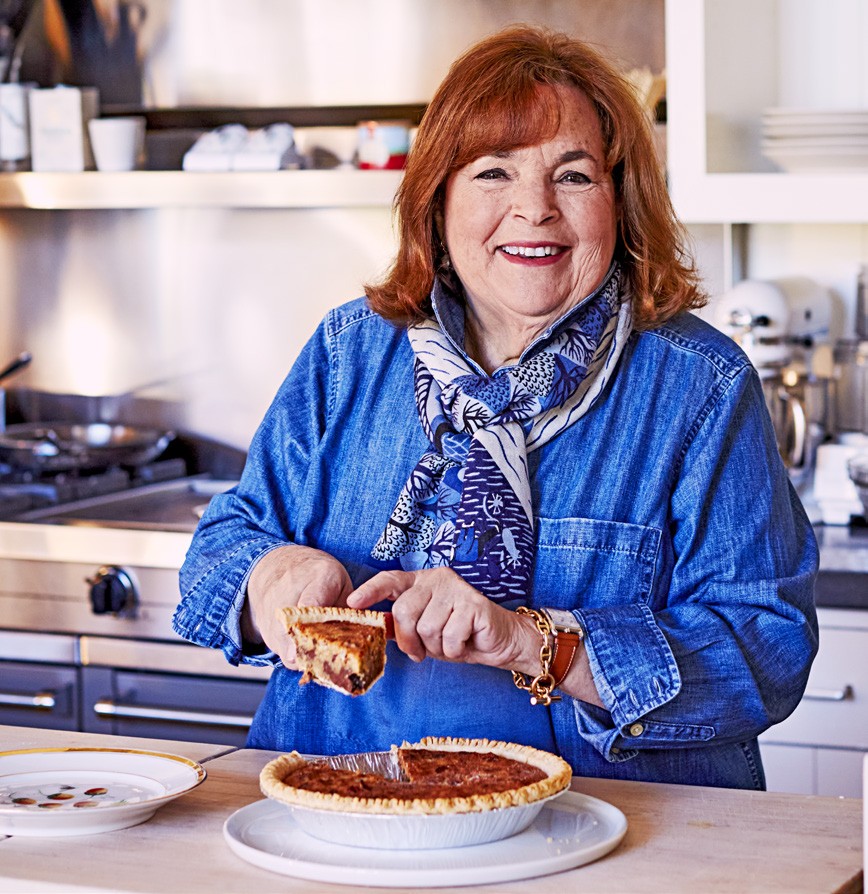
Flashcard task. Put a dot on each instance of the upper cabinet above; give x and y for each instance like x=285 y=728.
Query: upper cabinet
x=767 y=110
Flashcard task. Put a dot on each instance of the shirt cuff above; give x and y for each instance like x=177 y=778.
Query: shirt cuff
x=635 y=672
x=219 y=627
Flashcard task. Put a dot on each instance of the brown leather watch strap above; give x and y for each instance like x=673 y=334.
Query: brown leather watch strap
x=566 y=645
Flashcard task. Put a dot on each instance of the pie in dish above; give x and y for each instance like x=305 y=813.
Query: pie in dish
x=341 y=648
x=436 y=776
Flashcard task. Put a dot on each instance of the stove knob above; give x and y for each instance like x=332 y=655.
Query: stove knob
x=112 y=591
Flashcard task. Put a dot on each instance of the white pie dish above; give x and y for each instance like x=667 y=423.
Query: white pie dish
x=416 y=831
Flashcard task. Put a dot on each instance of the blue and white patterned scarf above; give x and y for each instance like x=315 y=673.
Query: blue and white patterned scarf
x=467 y=503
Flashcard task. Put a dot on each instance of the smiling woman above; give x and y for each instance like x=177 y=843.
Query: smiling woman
x=523 y=443
x=531 y=232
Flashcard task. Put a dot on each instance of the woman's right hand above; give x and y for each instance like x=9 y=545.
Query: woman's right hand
x=289 y=575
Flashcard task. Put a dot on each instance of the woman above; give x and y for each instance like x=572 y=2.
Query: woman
x=522 y=427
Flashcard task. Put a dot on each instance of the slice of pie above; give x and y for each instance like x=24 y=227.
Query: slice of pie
x=436 y=775
x=341 y=648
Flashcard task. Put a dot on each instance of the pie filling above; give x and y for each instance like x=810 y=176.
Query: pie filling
x=341 y=648
x=436 y=776
x=428 y=774
x=349 y=656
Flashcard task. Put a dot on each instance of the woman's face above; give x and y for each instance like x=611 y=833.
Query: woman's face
x=532 y=231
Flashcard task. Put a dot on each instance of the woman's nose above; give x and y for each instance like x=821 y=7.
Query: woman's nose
x=535 y=202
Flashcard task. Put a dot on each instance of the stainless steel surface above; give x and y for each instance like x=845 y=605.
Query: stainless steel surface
x=851 y=397
x=17 y=364
x=168 y=506
x=28 y=646
x=87 y=594
x=861 y=324
x=110 y=708
x=800 y=406
x=163 y=657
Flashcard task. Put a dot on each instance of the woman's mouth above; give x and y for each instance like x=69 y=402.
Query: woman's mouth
x=539 y=254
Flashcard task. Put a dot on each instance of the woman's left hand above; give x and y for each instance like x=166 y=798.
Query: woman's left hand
x=439 y=615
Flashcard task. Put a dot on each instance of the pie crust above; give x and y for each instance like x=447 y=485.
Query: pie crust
x=556 y=776
x=342 y=648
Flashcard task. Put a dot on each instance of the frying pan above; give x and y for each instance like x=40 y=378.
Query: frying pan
x=60 y=446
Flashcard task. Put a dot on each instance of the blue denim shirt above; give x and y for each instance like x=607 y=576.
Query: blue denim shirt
x=664 y=520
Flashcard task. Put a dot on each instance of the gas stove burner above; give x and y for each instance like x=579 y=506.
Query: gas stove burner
x=23 y=490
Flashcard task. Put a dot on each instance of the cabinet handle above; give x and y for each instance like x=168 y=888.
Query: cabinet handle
x=108 y=708
x=845 y=693
x=42 y=700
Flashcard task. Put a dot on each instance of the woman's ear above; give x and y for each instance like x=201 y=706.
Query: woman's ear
x=439 y=224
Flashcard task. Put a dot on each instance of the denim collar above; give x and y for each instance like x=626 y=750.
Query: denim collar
x=448 y=302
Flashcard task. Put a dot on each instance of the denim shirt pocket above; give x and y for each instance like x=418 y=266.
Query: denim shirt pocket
x=592 y=563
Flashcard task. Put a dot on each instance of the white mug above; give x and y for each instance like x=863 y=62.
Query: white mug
x=117 y=143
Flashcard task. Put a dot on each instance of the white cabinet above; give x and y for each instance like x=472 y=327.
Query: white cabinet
x=819 y=748
x=726 y=62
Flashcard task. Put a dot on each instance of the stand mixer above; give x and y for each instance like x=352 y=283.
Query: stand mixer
x=783 y=326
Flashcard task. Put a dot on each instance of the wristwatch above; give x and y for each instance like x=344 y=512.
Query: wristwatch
x=568 y=633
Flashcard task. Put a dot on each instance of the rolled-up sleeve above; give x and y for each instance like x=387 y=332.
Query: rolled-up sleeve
x=723 y=648
x=247 y=522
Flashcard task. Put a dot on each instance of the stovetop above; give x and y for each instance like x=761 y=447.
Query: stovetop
x=23 y=491
x=164 y=506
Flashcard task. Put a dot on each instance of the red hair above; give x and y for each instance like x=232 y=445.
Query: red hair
x=492 y=100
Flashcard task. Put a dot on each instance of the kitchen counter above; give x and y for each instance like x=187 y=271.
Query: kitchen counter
x=843 y=578
x=679 y=838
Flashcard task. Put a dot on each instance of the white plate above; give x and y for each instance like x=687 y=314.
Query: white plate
x=80 y=791
x=836 y=143
x=816 y=116
x=810 y=160
x=569 y=831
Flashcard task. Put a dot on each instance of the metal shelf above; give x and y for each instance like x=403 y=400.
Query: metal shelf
x=180 y=189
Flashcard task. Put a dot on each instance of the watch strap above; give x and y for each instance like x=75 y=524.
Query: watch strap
x=568 y=634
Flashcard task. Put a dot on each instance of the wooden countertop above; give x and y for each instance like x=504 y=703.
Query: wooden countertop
x=680 y=838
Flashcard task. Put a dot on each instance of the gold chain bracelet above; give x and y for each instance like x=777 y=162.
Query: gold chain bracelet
x=541 y=686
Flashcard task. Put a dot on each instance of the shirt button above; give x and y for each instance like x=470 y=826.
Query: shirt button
x=636 y=729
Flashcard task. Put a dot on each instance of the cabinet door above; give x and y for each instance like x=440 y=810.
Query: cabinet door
x=169 y=706
x=789 y=768
x=40 y=695
x=834 y=710
x=839 y=772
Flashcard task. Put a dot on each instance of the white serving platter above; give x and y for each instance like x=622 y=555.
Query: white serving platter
x=569 y=831
x=81 y=791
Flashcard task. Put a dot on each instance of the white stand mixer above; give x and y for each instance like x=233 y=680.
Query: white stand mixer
x=783 y=326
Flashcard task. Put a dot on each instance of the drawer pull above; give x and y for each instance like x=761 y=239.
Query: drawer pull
x=108 y=708
x=41 y=700
x=845 y=693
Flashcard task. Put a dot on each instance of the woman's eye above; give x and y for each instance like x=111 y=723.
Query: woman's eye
x=574 y=177
x=491 y=174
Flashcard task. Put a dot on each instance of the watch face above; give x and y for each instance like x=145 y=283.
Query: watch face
x=564 y=619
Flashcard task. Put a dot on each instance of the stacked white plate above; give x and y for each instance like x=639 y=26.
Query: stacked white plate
x=815 y=140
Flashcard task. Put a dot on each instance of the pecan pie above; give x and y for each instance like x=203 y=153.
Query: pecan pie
x=437 y=775
x=341 y=648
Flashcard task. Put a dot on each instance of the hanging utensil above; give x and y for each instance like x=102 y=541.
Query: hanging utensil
x=22 y=360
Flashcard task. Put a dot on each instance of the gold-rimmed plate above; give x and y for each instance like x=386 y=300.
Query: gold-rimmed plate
x=82 y=791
